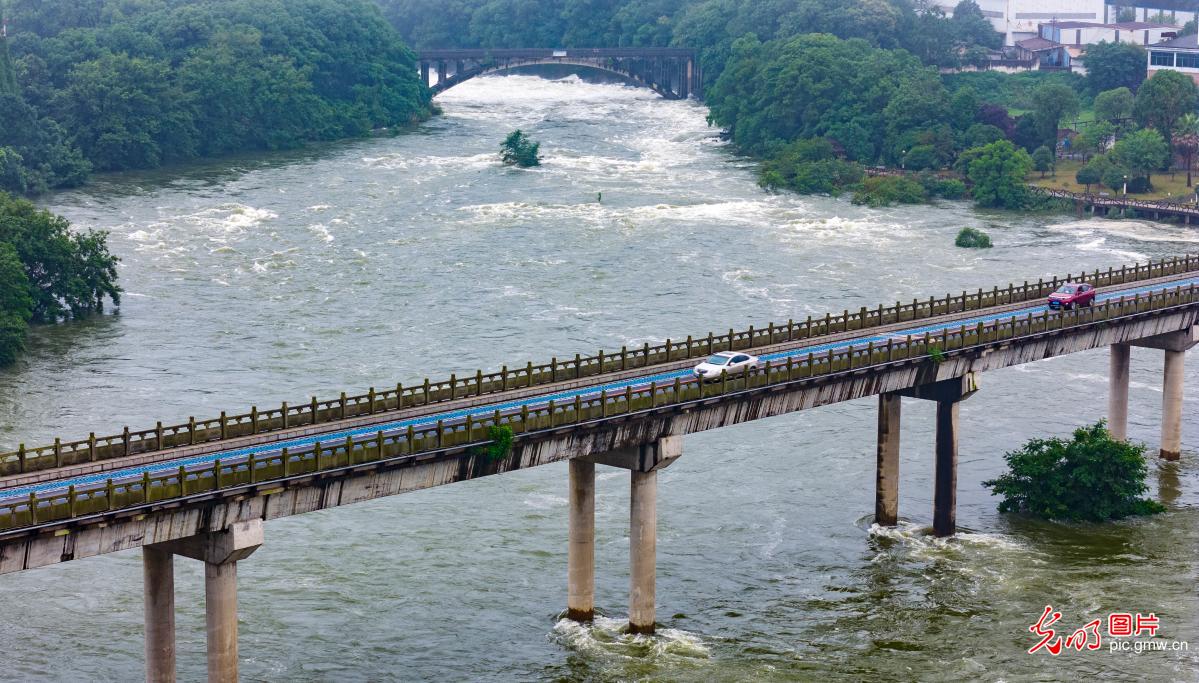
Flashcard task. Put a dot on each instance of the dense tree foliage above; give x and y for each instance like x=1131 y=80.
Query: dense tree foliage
x=998 y=171
x=122 y=84
x=48 y=272
x=1115 y=65
x=1091 y=477
x=518 y=150
x=1164 y=99
x=1142 y=153
x=811 y=86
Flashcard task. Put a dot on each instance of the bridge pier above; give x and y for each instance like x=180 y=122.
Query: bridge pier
x=643 y=463
x=580 y=564
x=158 y=572
x=219 y=551
x=643 y=550
x=1117 y=394
x=886 y=489
x=948 y=394
x=1175 y=345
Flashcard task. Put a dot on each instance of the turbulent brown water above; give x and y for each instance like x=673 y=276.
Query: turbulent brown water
x=252 y=281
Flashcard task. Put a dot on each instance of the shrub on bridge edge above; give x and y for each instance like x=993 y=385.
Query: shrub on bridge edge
x=500 y=446
x=1092 y=477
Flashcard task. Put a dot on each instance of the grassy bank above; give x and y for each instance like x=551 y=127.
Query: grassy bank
x=1165 y=185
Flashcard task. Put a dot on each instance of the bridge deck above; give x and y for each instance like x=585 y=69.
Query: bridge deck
x=84 y=482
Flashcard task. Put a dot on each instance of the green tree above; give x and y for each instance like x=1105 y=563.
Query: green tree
x=1186 y=140
x=1115 y=65
x=1115 y=176
x=1054 y=102
x=1088 y=175
x=1142 y=153
x=16 y=306
x=1163 y=99
x=518 y=150
x=1042 y=160
x=1092 y=477
x=1097 y=136
x=998 y=171
x=963 y=107
x=70 y=274
x=971 y=26
x=1114 y=105
x=8 y=72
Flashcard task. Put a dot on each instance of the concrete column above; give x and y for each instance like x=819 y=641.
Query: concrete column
x=1117 y=394
x=947 y=393
x=1172 y=405
x=643 y=538
x=886 y=488
x=158 y=570
x=945 y=488
x=220 y=605
x=219 y=551
x=580 y=594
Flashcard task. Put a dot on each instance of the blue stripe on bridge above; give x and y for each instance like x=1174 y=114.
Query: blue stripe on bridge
x=235 y=456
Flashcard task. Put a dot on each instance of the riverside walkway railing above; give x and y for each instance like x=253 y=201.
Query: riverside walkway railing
x=316 y=412
x=1150 y=205
x=418 y=443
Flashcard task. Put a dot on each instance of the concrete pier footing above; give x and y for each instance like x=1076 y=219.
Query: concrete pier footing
x=158 y=569
x=948 y=394
x=580 y=596
x=643 y=539
x=643 y=463
x=1117 y=395
x=220 y=618
x=1175 y=345
x=1172 y=382
x=945 y=488
x=220 y=552
x=886 y=490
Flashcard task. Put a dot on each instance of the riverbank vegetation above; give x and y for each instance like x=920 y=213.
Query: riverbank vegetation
x=110 y=85
x=48 y=272
x=1091 y=477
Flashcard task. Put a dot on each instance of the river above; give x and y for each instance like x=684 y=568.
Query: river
x=277 y=277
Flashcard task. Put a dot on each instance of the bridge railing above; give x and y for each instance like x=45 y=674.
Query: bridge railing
x=314 y=412
x=420 y=442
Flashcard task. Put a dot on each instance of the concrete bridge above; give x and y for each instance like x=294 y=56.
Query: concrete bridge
x=673 y=73
x=203 y=489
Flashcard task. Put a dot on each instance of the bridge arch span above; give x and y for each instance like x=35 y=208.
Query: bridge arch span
x=673 y=73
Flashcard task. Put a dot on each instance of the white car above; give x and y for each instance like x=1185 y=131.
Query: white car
x=732 y=362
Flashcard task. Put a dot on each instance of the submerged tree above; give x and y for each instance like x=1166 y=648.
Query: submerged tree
x=518 y=150
x=1092 y=477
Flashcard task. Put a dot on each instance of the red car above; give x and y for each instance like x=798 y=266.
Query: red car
x=1072 y=294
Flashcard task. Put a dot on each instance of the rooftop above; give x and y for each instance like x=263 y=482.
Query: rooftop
x=1183 y=42
x=1037 y=44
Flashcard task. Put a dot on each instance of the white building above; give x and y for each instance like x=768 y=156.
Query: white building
x=1180 y=54
x=1081 y=33
x=1018 y=19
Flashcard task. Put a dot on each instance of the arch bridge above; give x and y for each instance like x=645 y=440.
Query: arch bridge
x=672 y=72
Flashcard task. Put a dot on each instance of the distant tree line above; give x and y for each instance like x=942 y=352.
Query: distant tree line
x=710 y=26
x=125 y=84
